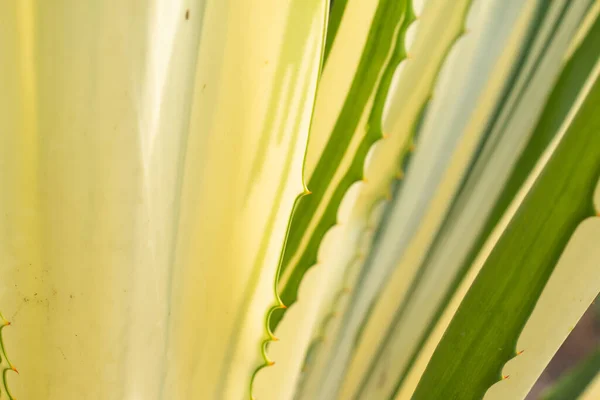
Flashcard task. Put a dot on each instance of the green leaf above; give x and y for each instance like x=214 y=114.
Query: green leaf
x=465 y=230
x=483 y=333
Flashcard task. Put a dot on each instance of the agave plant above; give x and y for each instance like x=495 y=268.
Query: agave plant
x=375 y=199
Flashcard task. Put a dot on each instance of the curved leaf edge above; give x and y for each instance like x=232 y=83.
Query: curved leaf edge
x=278 y=303
x=10 y=367
x=355 y=173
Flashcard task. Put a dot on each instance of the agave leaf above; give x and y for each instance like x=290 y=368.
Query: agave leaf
x=134 y=206
x=414 y=318
x=480 y=50
x=340 y=164
x=335 y=246
x=415 y=83
x=573 y=77
x=563 y=301
x=80 y=136
x=483 y=333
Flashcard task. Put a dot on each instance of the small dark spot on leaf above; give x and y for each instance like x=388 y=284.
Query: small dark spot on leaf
x=187 y=14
